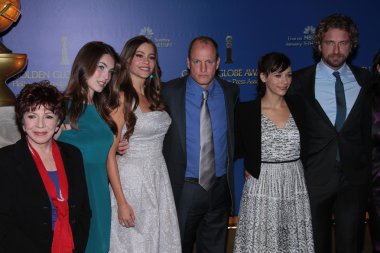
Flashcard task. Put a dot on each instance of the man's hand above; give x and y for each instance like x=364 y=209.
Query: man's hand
x=122 y=147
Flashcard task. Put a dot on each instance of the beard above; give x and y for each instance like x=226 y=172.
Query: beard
x=335 y=61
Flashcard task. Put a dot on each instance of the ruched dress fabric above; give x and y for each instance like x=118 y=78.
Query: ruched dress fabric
x=94 y=139
x=274 y=209
x=146 y=186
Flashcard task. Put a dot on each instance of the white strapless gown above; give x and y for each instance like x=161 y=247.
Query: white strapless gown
x=146 y=186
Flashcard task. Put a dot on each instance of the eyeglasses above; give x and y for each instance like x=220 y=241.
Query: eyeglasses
x=330 y=43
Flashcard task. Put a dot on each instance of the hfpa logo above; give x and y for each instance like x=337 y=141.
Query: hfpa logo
x=147 y=32
x=160 y=42
x=308 y=32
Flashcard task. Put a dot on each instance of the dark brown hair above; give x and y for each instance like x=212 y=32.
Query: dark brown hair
x=269 y=63
x=76 y=93
x=152 y=86
x=38 y=94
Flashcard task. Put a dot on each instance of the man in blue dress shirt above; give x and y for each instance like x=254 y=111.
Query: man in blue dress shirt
x=338 y=113
x=202 y=214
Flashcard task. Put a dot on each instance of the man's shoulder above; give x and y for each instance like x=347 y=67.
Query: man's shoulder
x=363 y=76
x=225 y=82
x=233 y=87
x=176 y=81
x=172 y=87
x=360 y=70
x=305 y=71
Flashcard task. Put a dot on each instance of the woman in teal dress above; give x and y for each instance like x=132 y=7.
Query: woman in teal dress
x=92 y=94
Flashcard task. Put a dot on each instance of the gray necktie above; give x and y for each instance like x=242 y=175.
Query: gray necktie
x=207 y=156
x=340 y=102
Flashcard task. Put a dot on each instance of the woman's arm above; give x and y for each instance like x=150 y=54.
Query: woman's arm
x=82 y=226
x=125 y=211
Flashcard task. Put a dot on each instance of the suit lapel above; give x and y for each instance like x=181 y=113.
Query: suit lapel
x=311 y=97
x=358 y=101
x=27 y=171
x=179 y=111
x=229 y=100
x=68 y=163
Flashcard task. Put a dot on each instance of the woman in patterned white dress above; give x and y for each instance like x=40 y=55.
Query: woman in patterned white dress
x=144 y=217
x=274 y=210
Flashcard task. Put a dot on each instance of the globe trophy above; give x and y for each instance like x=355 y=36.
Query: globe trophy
x=10 y=65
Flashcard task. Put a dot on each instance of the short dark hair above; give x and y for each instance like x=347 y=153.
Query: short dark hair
x=269 y=63
x=336 y=21
x=38 y=94
x=206 y=40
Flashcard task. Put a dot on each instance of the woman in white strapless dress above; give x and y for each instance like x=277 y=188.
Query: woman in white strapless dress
x=144 y=217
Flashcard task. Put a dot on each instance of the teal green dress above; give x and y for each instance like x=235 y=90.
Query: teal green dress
x=94 y=138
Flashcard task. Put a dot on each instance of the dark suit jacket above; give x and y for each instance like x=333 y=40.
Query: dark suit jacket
x=354 y=139
x=25 y=209
x=173 y=94
x=248 y=131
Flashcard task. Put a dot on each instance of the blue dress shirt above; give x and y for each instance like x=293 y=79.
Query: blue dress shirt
x=218 y=114
x=325 y=88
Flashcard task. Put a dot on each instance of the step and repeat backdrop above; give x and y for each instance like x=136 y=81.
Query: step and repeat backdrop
x=51 y=32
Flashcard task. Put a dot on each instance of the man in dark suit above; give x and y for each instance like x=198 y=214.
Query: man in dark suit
x=202 y=213
x=338 y=126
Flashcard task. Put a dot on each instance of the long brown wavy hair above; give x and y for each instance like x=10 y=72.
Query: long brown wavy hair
x=152 y=86
x=76 y=93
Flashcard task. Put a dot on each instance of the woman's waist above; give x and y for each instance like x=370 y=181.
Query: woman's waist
x=144 y=150
x=280 y=160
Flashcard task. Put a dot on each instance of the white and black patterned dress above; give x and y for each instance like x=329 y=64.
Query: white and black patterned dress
x=274 y=209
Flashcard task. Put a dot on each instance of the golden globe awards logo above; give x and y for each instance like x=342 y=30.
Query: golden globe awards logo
x=64 y=58
x=58 y=74
x=228 y=49
x=160 y=42
x=304 y=40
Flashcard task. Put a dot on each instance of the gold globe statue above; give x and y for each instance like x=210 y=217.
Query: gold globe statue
x=10 y=64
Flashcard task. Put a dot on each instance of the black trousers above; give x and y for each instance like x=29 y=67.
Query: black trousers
x=203 y=216
x=347 y=203
x=374 y=213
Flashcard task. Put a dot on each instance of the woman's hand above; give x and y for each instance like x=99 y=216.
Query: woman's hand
x=247 y=175
x=126 y=215
x=63 y=127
